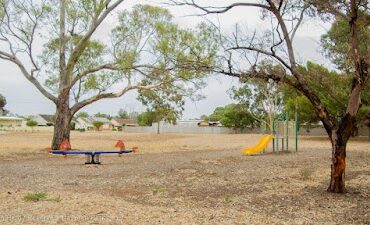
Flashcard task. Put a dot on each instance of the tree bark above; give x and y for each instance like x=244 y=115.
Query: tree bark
x=62 y=123
x=338 y=166
x=339 y=139
x=158 y=127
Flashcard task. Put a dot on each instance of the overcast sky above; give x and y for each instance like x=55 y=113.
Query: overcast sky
x=24 y=99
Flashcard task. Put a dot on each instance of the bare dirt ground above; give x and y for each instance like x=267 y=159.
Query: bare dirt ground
x=179 y=179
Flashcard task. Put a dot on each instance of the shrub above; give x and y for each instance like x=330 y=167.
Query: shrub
x=35 y=197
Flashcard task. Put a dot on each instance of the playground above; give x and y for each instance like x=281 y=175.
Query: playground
x=179 y=179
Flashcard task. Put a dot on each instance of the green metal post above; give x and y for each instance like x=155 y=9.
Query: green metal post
x=296 y=130
x=277 y=137
x=287 y=130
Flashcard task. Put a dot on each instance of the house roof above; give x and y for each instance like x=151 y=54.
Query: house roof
x=43 y=119
x=10 y=118
x=126 y=121
x=93 y=119
x=48 y=118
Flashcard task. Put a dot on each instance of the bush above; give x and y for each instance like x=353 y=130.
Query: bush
x=35 y=197
x=97 y=124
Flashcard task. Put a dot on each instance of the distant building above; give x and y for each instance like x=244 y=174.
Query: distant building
x=44 y=120
x=83 y=124
x=118 y=122
x=203 y=124
x=6 y=121
x=214 y=124
x=194 y=123
x=209 y=124
x=87 y=123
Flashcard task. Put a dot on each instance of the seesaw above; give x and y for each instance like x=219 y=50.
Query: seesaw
x=92 y=156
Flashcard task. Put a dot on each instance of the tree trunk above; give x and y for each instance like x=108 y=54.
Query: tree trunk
x=338 y=166
x=62 y=124
x=158 y=127
x=339 y=138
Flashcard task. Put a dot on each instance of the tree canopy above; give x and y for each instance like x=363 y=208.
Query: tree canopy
x=234 y=116
x=246 y=52
x=2 y=102
x=123 y=114
x=75 y=67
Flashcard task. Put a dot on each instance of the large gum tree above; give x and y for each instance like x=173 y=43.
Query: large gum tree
x=246 y=54
x=59 y=47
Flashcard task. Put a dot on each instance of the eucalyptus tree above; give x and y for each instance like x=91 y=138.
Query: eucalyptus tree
x=264 y=100
x=60 y=49
x=285 y=18
x=2 y=103
x=165 y=105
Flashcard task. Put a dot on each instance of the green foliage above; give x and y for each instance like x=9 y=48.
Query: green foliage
x=31 y=123
x=237 y=116
x=97 y=124
x=204 y=117
x=82 y=115
x=337 y=45
x=103 y=115
x=2 y=102
x=189 y=53
x=146 y=50
x=234 y=116
x=217 y=114
x=2 y=105
x=304 y=108
x=123 y=114
x=306 y=173
x=35 y=197
x=158 y=190
x=262 y=98
x=164 y=104
x=92 y=56
x=147 y=118
x=228 y=198
x=337 y=41
x=332 y=88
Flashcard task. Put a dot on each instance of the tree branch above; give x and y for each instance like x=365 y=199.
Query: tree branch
x=81 y=45
x=29 y=77
x=100 y=96
x=217 y=10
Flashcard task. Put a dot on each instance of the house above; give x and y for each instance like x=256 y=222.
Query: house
x=118 y=122
x=6 y=121
x=88 y=123
x=214 y=124
x=83 y=124
x=203 y=124
x=44 y=120
x=209 y=124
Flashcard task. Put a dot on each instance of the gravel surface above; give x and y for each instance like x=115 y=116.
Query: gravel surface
x=180 y=179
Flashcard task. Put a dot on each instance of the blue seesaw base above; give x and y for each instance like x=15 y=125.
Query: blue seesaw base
x=92 y=157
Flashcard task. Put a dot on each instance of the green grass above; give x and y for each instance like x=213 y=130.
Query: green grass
x=57 y=199
x=306 y=173
x=35 y=197
x=158 y=190
x=228 y=198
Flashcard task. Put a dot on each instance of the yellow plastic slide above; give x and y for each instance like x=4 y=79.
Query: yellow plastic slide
x=262 y=144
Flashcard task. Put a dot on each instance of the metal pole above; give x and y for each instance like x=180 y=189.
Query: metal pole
x=274 y=136
x=287 y=130
x=296 y=130
x=277 y=136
